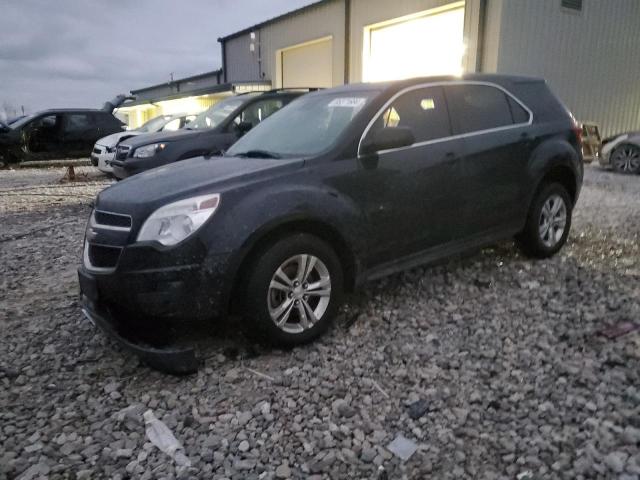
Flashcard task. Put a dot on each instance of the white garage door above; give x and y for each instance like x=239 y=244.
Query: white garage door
x=309 y=65
x=431 y=44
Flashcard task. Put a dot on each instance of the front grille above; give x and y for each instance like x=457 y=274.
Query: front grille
x=111 y=219
x=97 y=150
x=103 y=257
x=122 y=152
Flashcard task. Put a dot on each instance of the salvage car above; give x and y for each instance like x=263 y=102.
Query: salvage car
x=212 y=131
x=341 y=187
x=622 y=152
x=104 y=151
x=62 y=133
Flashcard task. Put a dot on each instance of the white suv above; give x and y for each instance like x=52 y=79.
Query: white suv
x=105 y=149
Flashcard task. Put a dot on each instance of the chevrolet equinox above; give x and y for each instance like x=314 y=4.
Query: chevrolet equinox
x=340 y=187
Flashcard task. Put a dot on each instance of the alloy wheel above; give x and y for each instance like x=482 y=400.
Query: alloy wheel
x=626 y=159
x=299 y=293
x=553 y=220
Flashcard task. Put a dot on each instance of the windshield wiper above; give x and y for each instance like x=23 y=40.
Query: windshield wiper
x=258 y=154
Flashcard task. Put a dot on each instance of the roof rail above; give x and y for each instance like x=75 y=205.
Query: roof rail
x=293 y=89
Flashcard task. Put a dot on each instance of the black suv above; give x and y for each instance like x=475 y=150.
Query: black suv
x=65 y=133
x=211 y=132
x=342 y=186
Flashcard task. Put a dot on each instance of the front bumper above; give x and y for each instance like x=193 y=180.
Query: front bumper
x=131 y=166
x=151 y=310
x=169 y=360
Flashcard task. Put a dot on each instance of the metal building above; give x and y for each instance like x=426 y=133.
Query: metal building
x=185 y=95
x=588 y=50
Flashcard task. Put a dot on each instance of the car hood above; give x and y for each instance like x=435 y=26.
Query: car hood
x=159 y=137
x=113 y=139
x=149 y=190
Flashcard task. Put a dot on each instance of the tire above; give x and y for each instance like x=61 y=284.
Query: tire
x=267 y=303
x=625 y=158
x=547 y=229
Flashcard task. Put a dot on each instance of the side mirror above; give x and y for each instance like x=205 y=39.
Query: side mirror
x=243 y=127
x=388 y=138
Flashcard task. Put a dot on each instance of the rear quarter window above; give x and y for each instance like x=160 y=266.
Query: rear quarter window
x=478 y=107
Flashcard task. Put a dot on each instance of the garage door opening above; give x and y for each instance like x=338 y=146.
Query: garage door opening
x=307 y=65
x=429 y=43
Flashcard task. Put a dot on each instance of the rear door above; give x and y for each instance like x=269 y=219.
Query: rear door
x=409 y=193
x=494 y=128
x=79 y=135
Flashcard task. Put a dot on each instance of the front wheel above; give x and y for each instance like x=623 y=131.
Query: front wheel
x=548 y=222
x=293 y=292
x=626 y=159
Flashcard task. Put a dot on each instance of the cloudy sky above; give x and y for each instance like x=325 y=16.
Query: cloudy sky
x=80 y=53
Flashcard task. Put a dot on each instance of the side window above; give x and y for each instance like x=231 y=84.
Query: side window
x=50 y=122
x=77 y=122
x=258 y=111
x=424 y=111
x=478 y=107
x=172 y=125
x=519 y=114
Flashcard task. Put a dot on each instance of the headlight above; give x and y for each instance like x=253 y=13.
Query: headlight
x=149 y=150
x=176 y=221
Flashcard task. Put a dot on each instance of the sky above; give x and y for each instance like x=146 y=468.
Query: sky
x=81 y=53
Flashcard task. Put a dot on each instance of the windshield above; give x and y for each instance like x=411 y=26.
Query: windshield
x=308 y=126
x=154 y=125
x=215 y=115
x=22 y=121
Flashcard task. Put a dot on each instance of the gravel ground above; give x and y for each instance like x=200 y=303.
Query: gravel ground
x=494 y=365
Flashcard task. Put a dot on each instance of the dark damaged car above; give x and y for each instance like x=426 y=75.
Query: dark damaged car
x=341 y=187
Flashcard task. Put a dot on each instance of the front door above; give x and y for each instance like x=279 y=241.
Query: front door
x=409 y=194
x=41 y=139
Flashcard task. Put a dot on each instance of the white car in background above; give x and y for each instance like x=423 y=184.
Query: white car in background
x=622 y=152
x=105 y=149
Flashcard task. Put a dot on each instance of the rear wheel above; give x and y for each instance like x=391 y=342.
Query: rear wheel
x=293 y=291
x=548 y=222
x=626 y=159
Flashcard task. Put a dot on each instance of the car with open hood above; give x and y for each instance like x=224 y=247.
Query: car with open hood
x=341 y=187
x=55 y=134
x=211 y=132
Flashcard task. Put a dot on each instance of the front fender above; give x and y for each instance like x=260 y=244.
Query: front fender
x=253 y=217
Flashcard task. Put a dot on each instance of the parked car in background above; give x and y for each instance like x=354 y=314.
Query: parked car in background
x=591 y=142
x=622 y=152
x=105 y=148
x=212 y=131
x=342 y=186
x=53 y=134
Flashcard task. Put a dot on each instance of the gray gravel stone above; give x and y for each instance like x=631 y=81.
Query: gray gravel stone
x=505 y=352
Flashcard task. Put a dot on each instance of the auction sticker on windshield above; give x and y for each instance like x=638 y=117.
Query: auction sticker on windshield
x=349 y=102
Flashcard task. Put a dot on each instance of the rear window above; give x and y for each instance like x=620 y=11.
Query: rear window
x=519 y=114
x=478 y=107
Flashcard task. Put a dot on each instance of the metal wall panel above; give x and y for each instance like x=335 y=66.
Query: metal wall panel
x=324 y=20
x=590 y=58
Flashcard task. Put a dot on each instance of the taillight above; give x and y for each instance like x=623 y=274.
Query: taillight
x=577 y=129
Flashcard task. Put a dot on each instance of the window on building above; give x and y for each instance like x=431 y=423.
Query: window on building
x=572 y=4
x=424 y=111
x=478 y=107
